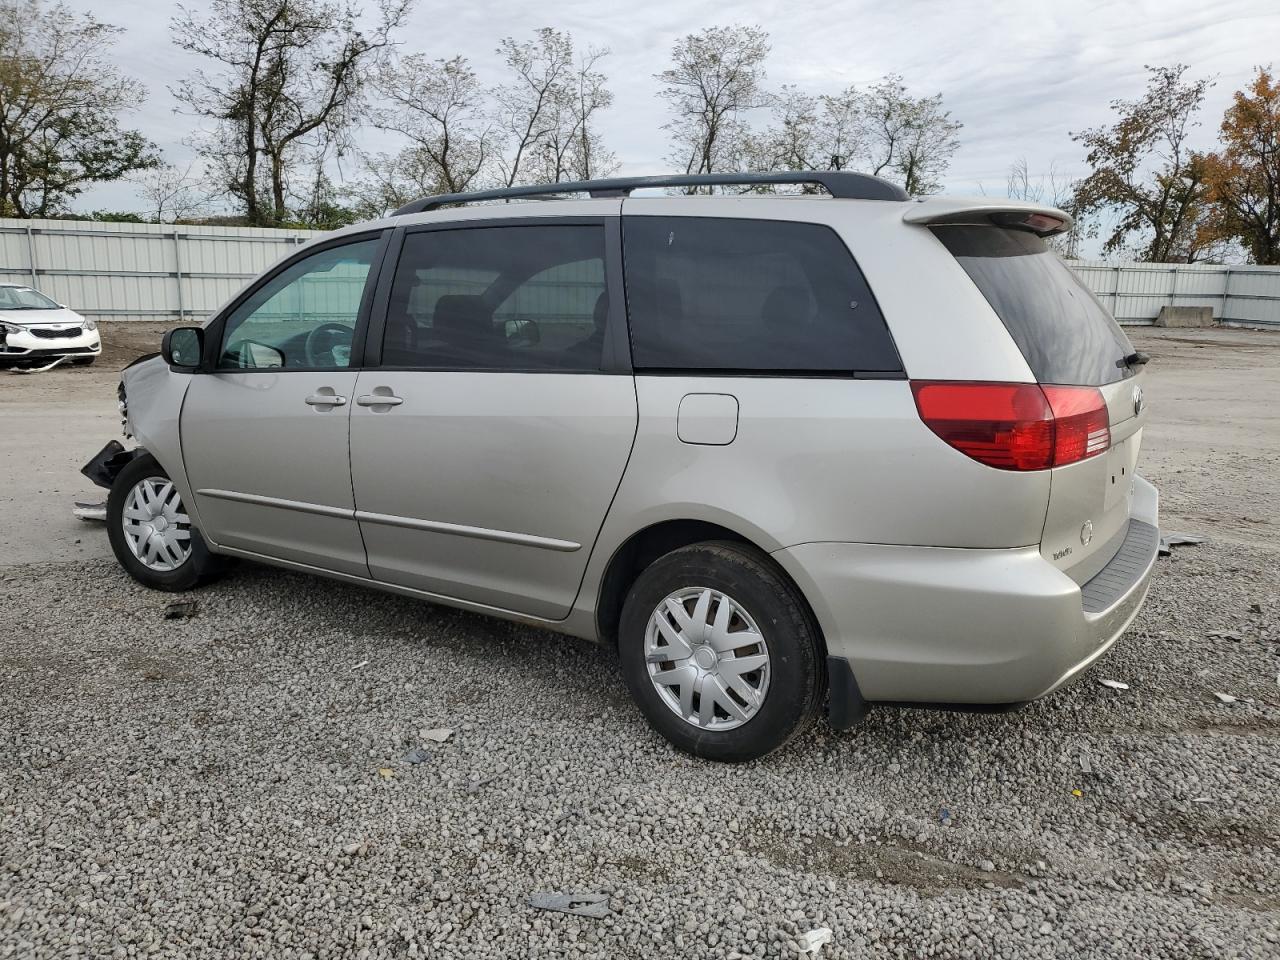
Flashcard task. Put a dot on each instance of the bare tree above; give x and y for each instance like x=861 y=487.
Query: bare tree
x=289 y=78
x=171 y=193
x=439 y=106
x=1052 y=189
x=572 y=148
x=842 y=128
x=529 y=108
x=60 y=106
x=1144 y=172
x=908 y=139
x=795 y=140
x=716 y=78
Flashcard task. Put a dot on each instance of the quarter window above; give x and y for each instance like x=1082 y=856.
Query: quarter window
x=752 y=296
x=499 y=298
x=303 y=318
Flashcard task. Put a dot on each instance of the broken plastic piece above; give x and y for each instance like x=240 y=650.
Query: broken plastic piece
x=47 y=366
x=1226 y=698
x=1170 y=540
x=181 y=610
x=416 y=755
x=579 y=904
x=1085 y=765
x=1113 y=684
x=86 y=510
x=813 y=940
x=439 y=735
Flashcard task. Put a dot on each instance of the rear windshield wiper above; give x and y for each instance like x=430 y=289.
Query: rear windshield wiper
x=1135 y=359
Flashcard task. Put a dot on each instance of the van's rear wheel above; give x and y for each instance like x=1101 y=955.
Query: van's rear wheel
x=720 y=652
x=151 y=532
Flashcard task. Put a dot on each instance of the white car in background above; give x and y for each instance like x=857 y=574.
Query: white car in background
x=35 y=331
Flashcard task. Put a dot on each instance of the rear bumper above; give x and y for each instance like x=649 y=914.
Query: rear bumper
x=952 y=626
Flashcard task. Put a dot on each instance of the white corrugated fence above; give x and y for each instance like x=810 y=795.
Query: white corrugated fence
x=143 y=271
x=138 y=271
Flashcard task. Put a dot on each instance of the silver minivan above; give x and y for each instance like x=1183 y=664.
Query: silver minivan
x=787 y=453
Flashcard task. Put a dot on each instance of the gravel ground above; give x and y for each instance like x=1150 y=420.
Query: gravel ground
x=234 y=784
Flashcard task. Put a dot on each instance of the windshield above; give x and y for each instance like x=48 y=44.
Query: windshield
x=1066 y=335
x=24 y=298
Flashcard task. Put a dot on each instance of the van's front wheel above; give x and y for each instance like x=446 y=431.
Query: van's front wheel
x=720 y=652
x=151 y=532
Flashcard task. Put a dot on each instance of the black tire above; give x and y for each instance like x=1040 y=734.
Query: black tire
x=200 y=565
x=797 y=666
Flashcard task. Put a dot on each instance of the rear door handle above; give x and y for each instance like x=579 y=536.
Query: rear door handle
x=326 y=400
x=379 y=400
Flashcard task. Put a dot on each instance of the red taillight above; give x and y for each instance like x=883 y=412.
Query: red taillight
x=1016 y=426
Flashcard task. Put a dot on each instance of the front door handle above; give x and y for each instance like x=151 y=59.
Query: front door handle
x=379 y=400
x=325 y=400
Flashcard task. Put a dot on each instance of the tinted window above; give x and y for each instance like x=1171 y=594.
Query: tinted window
x=499 y=298
x=305 y=316
x=1066 y=335
x=749 y=295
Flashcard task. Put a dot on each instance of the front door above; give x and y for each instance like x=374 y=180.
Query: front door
x=488 y=445
x=265 y=434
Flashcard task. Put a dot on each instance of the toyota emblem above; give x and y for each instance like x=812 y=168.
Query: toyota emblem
x=1086 y=532
x=1137 y=400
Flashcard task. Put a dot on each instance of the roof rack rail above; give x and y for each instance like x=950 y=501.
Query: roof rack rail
x=838 y=183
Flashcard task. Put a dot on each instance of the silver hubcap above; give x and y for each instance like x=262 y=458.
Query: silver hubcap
x=156 y=527
x=707 y=658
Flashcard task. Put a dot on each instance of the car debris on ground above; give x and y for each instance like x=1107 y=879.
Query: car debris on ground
x=180 y=610
x=1113 y=684
x=813 y=940
x=89 y=510
x=1225 y=635
x=579 y=904
x=1170 y=540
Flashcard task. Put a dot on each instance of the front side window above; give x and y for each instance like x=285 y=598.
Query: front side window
x=749 y=296
x=304 y=318
x=499 y=298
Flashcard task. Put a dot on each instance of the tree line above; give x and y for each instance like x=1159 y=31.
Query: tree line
x=284 y=88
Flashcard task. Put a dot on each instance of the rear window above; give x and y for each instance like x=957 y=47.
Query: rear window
x=750 y=296
x=1066 y=335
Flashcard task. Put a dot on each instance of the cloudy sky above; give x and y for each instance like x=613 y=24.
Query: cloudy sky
x=1019 y=75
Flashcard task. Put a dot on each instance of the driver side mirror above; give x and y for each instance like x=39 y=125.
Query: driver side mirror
x=182 y=348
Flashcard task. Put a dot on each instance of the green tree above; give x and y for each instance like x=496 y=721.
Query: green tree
x=1243 y=177
x=1145 y=175
x=287 y=86
x=61 y=104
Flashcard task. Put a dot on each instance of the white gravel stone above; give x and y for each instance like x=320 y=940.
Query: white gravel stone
x=210 y=788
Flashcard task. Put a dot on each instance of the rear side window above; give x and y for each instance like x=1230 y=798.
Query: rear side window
x=1066 y=335
x=499 y=298
x=752 y=296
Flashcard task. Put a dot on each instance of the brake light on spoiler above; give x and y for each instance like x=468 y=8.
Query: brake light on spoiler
x=1016 y=426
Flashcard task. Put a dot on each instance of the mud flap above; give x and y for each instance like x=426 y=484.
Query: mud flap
x=845 y=706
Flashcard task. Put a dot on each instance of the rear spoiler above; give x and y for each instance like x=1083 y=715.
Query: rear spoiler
x=1037 y=218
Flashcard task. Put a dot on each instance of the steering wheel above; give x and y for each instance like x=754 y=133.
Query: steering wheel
x=321 y=341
